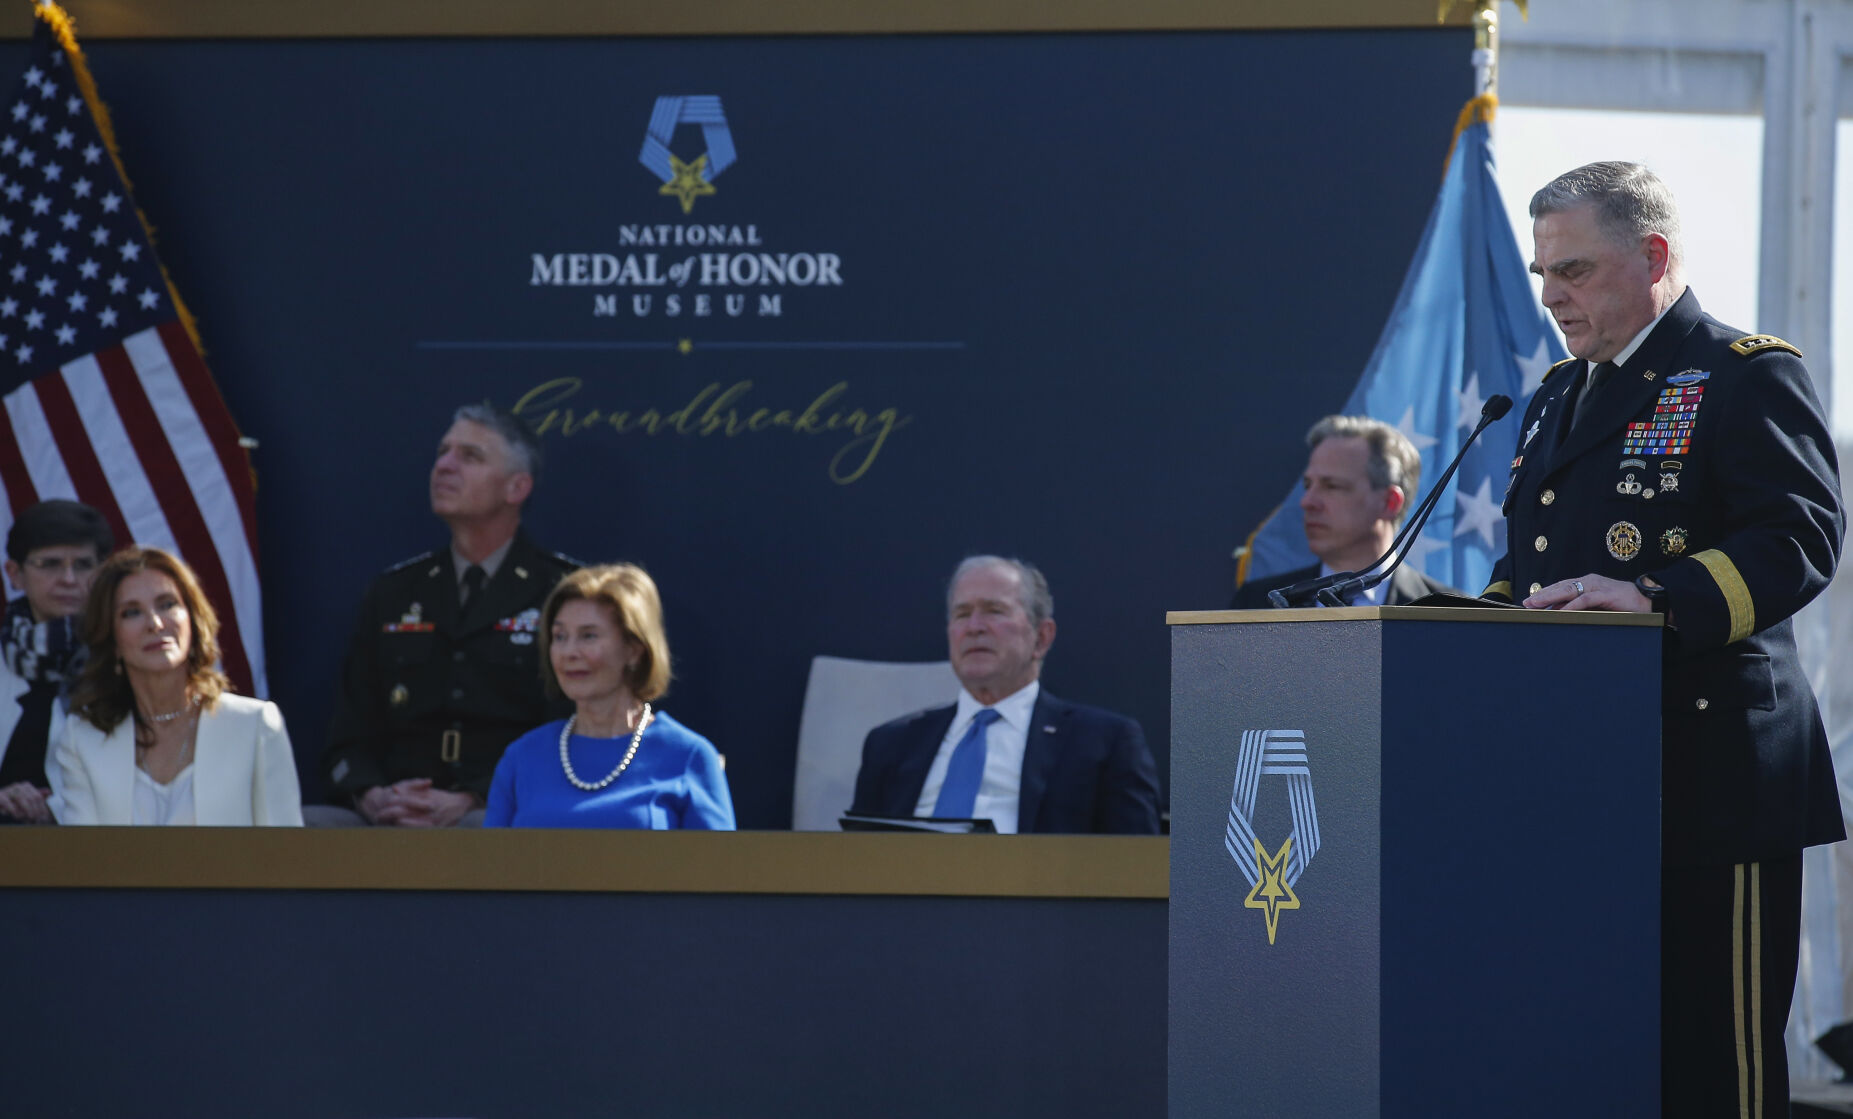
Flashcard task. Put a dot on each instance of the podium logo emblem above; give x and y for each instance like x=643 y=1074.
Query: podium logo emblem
x=1281 y=754
x=686 y=182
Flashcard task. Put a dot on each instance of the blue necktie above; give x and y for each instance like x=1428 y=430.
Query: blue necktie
x=965 y=772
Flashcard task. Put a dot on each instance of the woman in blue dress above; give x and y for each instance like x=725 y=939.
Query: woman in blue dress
x=618 y=762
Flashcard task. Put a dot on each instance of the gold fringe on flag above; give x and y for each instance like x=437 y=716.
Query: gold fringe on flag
x=1246 y=553
x=1480 y=110
x=61 y=25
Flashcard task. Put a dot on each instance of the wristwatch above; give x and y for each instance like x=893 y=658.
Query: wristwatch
x=1656 y=594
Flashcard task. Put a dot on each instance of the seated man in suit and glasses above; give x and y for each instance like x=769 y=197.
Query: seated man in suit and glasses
x=1361 y=478
x=1007 y=750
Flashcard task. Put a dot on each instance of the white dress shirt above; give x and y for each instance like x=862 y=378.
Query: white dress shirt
x=1627 y=351
x=1005 y=741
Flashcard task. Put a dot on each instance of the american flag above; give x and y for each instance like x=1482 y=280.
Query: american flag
x=107 y=399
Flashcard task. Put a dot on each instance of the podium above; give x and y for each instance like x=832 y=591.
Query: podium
x=1414 y=863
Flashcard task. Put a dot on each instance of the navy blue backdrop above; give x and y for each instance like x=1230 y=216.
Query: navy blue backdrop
x=1093 y=289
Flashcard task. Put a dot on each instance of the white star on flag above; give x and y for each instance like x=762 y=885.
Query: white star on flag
x=1406 y=425
x=1470 y=402
x=1419 y=551
x=1477 y=512
x=110 y=405
x=1532 y=367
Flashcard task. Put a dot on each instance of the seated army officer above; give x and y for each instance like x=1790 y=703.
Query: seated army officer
x=1008 y=751
x=442 y=670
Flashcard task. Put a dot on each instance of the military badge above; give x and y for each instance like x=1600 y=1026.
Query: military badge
x=1669 y=475
x=522 y=627
x=412 y=621
x=1624 y=541
x=1673 y=541
x=1669 y=429
x=1628 y=487
x=1689 y=377
x=1531 y=432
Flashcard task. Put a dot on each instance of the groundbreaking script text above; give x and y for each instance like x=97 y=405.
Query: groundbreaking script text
x=726 y=411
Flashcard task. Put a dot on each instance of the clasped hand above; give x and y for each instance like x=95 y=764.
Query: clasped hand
x=414 y=803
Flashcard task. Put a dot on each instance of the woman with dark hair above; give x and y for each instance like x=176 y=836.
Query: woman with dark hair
x=617 y=763
x=154 y=737
x=52 y=551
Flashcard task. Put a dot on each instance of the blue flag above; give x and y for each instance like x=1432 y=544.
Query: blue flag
x=1466 y=326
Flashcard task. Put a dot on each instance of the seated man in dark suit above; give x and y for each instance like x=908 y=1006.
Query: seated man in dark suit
x=1361 y=479
x=1009 y=751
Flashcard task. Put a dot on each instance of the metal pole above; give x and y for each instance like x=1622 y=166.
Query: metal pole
x=1486 y=48
x=1485 y=39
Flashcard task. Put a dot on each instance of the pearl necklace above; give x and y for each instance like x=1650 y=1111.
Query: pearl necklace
x=566 y=761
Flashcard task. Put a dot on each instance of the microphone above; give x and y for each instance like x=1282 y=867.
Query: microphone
x=1333 y=594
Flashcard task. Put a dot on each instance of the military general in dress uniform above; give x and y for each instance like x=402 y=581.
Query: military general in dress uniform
x=1678 y=465
x=442 y=671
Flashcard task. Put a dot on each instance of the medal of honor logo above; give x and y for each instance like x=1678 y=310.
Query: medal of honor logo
x=687 y=181
x=1272 y=753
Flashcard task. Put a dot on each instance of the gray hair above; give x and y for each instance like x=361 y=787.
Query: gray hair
x=1032 y=588
x=523 y=447
x=1393 y=460
x=1630 y=202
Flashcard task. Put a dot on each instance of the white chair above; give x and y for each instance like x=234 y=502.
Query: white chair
x=843 y=702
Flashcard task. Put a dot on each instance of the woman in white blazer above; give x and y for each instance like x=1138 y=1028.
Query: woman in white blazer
x=153 y=737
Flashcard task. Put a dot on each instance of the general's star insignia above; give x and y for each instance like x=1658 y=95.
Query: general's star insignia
x=687 y=185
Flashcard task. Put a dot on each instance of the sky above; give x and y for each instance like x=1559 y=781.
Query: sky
x=1719 y=201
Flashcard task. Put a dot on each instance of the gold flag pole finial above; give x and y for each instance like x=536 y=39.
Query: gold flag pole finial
x=1485 y=39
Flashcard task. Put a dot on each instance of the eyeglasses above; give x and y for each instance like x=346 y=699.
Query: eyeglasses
x=52 y=565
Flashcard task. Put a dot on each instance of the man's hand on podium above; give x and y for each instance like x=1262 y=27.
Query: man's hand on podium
x=1591 y=592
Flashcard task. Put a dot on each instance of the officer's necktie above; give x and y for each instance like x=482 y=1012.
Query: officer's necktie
x=1598 y=375
x=473 y=577
x=965 y=772
x=25 y=751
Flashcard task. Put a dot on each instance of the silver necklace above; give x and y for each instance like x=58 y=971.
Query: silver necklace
x=186 y=751
x=566 y=761
x=171 y=715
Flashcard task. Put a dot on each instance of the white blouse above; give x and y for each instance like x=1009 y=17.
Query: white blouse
x=169 y=805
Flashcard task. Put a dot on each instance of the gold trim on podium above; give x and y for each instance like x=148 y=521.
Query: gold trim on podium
x=516 y=860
